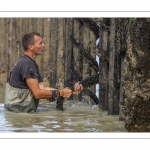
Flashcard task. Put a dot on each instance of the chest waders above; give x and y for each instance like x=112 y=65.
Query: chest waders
x=19 y=100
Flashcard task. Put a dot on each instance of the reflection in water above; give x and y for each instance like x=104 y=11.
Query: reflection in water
x=76 y=117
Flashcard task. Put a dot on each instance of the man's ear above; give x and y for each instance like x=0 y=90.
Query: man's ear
x=30 y=47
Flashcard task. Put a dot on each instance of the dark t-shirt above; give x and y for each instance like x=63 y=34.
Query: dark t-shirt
x=25 y=67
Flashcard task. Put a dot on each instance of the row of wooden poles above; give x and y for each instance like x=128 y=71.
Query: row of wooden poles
x=60 y=53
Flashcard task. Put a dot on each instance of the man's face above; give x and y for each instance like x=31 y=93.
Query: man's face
x=38 y=45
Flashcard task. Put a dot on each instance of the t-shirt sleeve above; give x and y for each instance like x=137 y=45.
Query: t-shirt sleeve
x=30 y=71
x=40 y=78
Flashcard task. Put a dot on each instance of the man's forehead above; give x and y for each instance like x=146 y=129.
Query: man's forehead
x=36 y=37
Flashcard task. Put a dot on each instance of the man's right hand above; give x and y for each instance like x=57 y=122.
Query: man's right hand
x=66 y=92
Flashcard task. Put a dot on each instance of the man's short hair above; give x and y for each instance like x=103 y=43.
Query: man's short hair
x=28 y=38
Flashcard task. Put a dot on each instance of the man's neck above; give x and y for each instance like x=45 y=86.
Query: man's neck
x=31 y=55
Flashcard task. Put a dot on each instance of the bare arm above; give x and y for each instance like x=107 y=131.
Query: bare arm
x=39 y=92
x=42 y=86
x=77 y=87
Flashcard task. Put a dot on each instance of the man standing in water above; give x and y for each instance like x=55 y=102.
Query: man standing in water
x=25 y=86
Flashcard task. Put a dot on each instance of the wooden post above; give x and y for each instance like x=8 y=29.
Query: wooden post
x=30 y=21
x=14 y=46
x=123 y=50
x=68 y=52
x=2 y=52
x=60 y=54
x=86 y=46
x=46 y=53
x=103 y=69
x=92 y=42
x=60 y=61
x=86 y=66
x=6 y=23
x=77 y=58
x=39 y=29
x=9 y=54
x=111 y=67
x=53 y=51
x=19 y=37
x=123 y=66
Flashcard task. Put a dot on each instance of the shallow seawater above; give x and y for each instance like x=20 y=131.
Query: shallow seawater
x=76 y=117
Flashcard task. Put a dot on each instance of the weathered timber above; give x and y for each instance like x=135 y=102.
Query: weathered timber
x=19 y=48
x=85 y=44
x=88 y=82
x=92 y=48
x=76 y=75
x=60 y=54
x=2 y=44
x=103 y=69
x=2 y=52
x=14 y=48
x=123 y=22
x=53 y=52
x=77 y=59
x=92 y=25
x=106 y=22
x=88 y=46
x=30 y=27
x=92 y=96
x=10 y=44
x=77 y=34
x=111 y=77
x=35 y=25
x=101 y=54
x=59 y=103
x=60 y=61
x=6 y=45
x=68 y=52
x=46 y=52
x=93 y=63
x=67 y=56
x=39 y=29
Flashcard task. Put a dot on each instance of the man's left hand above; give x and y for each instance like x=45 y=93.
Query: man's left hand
x=77 y=88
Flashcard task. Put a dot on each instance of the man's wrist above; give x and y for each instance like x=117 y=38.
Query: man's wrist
x=61 y=92
x=54 y=96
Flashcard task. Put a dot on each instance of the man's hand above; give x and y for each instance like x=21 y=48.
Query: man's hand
x=77 y=88
x=66 y=92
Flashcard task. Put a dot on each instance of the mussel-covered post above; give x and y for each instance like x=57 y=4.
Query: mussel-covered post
x=137 y=81
x=114 y=84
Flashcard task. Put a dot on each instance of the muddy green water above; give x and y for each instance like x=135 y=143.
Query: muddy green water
x=76 y=117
